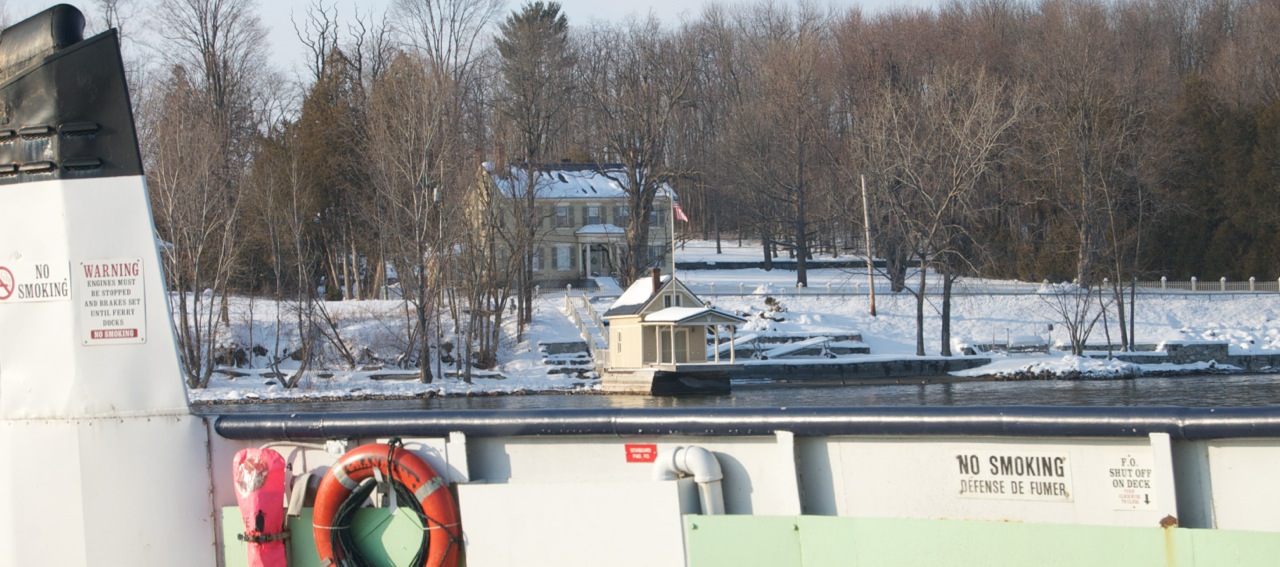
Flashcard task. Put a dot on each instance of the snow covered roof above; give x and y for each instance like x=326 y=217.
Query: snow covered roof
x=569 y=181
x=682 y=314
x=636 y=296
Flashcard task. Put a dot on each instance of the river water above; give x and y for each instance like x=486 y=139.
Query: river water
x=1190 y=391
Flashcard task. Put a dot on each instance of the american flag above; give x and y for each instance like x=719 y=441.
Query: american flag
x=679 y=214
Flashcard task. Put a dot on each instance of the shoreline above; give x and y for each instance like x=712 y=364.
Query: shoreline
x=749 y=384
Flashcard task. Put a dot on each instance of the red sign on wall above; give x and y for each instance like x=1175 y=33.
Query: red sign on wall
x=642 y=452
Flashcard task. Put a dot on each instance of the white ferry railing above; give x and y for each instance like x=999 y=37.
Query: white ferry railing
x=1189 y=423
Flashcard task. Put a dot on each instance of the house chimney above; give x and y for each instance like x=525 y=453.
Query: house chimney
x=657 y=279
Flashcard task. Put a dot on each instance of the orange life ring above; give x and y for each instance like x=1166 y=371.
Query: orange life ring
x=443 y=531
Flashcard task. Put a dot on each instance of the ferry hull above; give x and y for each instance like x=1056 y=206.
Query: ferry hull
x=839 y=486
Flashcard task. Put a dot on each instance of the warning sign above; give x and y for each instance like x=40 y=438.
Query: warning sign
x=1014 y=476
x=642 y=452
x=26 y=282
x=1130 y=478
x=112 y=299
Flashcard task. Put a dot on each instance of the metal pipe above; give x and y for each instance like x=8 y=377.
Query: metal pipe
x=1006 y=421
x=702 y=465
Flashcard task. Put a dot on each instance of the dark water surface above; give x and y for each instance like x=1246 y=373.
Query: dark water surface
x=1188 y=391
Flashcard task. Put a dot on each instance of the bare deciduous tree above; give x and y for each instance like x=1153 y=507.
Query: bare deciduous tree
x=637 y=81
x=781 y=131
x=938 y=147
x=195 y=214
x=201 y=140
x=285 y=208
x=404 y=147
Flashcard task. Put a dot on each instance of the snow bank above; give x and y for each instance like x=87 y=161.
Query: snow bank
x=1250 y=324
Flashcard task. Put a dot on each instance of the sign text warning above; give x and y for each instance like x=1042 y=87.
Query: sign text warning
x=111 y=297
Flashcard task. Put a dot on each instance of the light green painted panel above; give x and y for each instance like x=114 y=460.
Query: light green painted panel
x=742 y=540
x=822 y=541
x=383 y=539
x=1227 y=547
x=857 y=541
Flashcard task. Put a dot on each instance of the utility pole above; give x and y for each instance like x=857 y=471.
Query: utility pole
x=435 y=197
x=866 y=225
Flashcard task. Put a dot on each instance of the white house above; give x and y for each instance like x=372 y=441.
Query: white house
x=583 y=211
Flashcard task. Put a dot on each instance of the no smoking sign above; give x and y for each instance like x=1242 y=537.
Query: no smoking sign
x=6 y=283
x=24 y=282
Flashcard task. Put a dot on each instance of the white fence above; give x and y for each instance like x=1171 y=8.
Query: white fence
x=976 y=287
x=599 y=352
x=964 y=287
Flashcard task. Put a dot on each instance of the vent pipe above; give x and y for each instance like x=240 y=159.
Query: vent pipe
x=703 y=466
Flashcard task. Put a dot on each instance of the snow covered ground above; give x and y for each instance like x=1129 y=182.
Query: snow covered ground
x=1249 y=323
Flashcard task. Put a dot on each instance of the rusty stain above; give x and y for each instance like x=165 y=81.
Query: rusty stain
x=1170 y=552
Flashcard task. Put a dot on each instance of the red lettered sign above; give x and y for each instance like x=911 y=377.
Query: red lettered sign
x=642 y=452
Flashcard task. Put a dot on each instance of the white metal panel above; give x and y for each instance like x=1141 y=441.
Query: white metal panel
x=1102 y=482
x=104 y=465
x=41 y=519
x=46 y=369
x=1244 y=492
x=106 y=492
x=619 y=524
x=759 y=472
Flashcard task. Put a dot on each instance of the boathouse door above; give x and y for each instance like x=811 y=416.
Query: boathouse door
x=681 y=346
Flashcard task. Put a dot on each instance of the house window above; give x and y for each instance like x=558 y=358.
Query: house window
x=562 y=216
x=537 y=259
x=656 y=252
x=655 y=217
x=562 y=258
x=593 y=214
x=667 y=301
x=621 y=214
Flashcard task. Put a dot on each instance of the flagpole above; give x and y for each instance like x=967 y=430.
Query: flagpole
x=672 y=195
